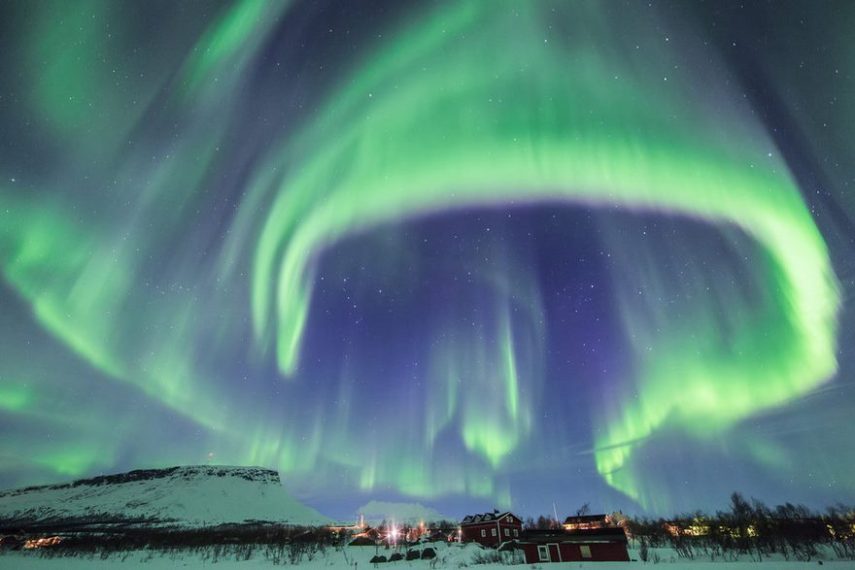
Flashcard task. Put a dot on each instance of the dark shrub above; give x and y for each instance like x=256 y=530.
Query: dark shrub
x=378 y=559
x=413 y=555
x=395 y=557
x=428 y=553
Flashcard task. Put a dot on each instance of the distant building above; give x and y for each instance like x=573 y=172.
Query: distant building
x=695 y=527
x=587 y=522
x=367 y=537
x=490 y=529
x=597 y=545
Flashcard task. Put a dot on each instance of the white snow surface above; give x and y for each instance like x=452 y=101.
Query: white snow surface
x=453 y=557
x=192 y=496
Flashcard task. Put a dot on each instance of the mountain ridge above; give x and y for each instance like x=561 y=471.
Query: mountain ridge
x=181 y=496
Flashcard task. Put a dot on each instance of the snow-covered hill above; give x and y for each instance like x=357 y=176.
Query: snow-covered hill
x=191 y=496
x=411 y=513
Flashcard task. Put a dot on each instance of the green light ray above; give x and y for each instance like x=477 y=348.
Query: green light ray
x=228 y=45
x=487 y=380
x=15 y=397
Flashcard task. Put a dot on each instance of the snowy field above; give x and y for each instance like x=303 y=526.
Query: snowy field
x=357 y=558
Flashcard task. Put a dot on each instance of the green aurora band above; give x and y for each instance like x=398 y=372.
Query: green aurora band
x=561 y=131
x=79 y=271
x=420 y=126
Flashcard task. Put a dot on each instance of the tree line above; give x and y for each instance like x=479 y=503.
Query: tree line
x=750 y=528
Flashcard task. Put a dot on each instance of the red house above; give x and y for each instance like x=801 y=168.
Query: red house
x=490 y=529
x=599 y=545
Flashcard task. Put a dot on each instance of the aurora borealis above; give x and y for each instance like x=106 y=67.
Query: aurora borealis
x=468 y=253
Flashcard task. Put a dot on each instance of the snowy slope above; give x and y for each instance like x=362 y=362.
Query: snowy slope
x=412 y=513
x=187 y=496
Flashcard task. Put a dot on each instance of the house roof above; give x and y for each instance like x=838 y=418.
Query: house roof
x=486 y=517
x=509 y=545
x=584 y=519
x=581 y=536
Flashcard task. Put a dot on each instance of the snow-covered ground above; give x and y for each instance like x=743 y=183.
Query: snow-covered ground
x=358 y=558
x=191 y=496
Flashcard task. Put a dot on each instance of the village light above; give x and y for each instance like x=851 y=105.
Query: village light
x=42 y=542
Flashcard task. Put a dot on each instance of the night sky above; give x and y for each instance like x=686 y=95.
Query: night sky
x=472 y=253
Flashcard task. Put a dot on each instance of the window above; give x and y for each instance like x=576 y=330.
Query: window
x=586 y=551
x=516 y=532
x=507 y=532
x=483 y=533
x=494 y=532
x=543 y=553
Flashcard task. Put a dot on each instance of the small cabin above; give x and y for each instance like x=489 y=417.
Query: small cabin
x=598 y=545
x=490 y=529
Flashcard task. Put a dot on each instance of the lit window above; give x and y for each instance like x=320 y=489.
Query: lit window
x=543 y=553
x=516 y=532
x=507 y=532
x=493 y=532
x=586 y=551
x=483 y=532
